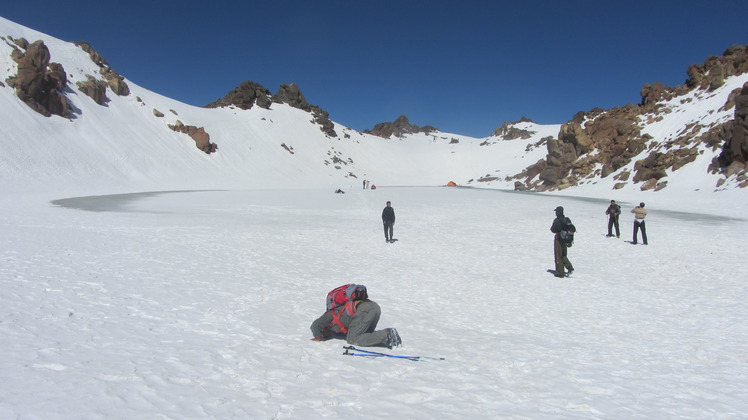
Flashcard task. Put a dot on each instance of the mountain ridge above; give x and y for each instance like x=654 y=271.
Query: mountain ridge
x=285 y=141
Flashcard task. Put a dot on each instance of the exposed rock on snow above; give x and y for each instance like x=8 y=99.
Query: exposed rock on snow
x=113 y=79
x=201 y=137
x=599 y=143
x=398 y=128
x=38 y=82
x=245 y=96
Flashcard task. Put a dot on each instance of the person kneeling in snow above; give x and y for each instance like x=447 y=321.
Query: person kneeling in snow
x=357 y=323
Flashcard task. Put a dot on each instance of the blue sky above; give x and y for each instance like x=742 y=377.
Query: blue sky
x=462 y=66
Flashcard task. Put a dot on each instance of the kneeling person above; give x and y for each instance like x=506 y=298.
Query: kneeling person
x=357 y=323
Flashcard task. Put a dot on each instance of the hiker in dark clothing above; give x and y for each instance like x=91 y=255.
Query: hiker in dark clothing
x=613 y=211
x=559 y=247
x=358 y=328
x=388 y=219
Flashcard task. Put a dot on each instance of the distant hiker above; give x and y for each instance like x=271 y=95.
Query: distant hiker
x=364 y=184
x=388 y=219
x=613 y=211
x=560 y=224
x=353 y=317
x=639 y=214
x=367 y=184
x=339 y=191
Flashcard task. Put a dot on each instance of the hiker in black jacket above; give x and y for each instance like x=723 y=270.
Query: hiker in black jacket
x=613 y=211
x=559 y=247
x=388 y=219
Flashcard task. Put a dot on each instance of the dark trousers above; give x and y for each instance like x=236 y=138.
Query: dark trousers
x=640 y=225
x=388 y=228
x=613 y=221
x=559 y=255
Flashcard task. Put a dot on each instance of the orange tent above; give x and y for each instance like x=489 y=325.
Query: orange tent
x=451 y=184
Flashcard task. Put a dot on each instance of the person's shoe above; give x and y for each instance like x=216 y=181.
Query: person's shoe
x=608 y=235
x=393 y=338
x=618 y=236
x=569 y=273
x=559 y=275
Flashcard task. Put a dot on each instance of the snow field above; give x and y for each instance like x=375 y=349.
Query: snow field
x=198 y=305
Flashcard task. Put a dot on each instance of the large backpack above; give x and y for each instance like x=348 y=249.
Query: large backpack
x=341 y=299
x=566 y=235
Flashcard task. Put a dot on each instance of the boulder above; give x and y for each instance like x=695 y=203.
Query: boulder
x=198 y=134
x=94 y=89
x=40 y=84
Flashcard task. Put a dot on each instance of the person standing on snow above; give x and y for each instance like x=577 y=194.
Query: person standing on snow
x=559 y=247
x=639 y=215
x=388 y=219
x=359 y=328
x=613 y=211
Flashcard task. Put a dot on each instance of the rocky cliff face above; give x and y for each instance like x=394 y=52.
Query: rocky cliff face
x=39 y=83
x=398 y=128
x=734 y=154
x=600 y=142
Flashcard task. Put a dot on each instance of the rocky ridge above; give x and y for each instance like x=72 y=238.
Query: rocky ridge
x=398 y=128
x=248 y=93
x=598 y=143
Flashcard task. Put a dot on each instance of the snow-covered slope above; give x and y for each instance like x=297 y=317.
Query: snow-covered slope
x=197 y=304
x=124 y=145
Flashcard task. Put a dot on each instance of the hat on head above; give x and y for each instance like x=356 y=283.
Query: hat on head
x=559 y=208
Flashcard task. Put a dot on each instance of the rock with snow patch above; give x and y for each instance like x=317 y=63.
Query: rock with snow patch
x=244 y=96
x=398 y=128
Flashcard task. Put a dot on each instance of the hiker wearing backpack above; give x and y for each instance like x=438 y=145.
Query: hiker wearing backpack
x=613 y=211
x=563 y=238
x=352 y=315
x=388 y=219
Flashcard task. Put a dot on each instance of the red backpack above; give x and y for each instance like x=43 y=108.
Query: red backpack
x=341 y=299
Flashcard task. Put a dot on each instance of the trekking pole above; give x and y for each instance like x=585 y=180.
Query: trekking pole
x=390 y=355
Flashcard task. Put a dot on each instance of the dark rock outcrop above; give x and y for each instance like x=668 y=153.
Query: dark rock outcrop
x=198 y=134
x=245 y=96
x=615 y=135
x=734 y=156
x=115 y=82
x=290 y=94
x=398 y=128
x=715 y=70
x=38 y=82
x=507 y=131
x=249 y=94
x=94 y=89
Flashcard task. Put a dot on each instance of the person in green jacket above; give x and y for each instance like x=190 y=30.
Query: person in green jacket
x=357 y=323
